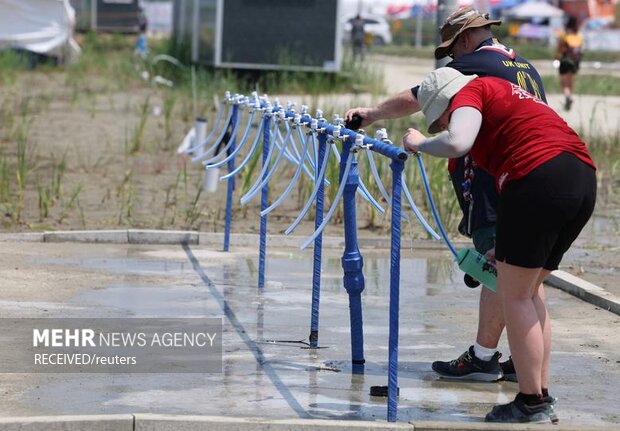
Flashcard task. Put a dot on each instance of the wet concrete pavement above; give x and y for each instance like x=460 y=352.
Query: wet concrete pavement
x=266 y=372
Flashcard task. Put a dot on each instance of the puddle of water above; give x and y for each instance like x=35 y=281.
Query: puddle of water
x=9 y=307
x=125 y=265
x=281 y=311
x=149 y=301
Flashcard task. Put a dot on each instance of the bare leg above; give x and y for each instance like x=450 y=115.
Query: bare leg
x=490 y=319
x=540 y=301
x=566 y=80
x=526 y=320
x=490 y=313
x=491 y=322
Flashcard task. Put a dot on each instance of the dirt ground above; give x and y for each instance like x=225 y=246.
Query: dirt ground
x=103 y=184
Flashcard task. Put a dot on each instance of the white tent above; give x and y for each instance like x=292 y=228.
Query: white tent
x=534 y=9
x=40 y=26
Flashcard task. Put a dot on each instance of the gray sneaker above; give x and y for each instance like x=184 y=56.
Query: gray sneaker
x=519 y=412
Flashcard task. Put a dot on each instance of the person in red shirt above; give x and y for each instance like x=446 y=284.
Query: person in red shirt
x=467 y=37
x=546 y=182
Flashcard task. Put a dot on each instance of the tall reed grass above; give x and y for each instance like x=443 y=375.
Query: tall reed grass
x=107 y=67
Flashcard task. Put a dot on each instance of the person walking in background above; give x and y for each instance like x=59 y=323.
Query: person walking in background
x=358 y=37
x=142 y=47
x=467 y=37
x=547 y=191
x=570 y=46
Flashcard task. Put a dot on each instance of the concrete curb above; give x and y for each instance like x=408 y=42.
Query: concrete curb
x=135 y=236
x=121 y=422
x=22 y=237
x=330 y=242
x=88 y=236
x=482 y=426
x=584 y=290
x=152 y=236
x=559 y=279
x=155 y=422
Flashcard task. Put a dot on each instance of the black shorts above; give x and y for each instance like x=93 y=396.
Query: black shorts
x=540 y=215
x=568 y=66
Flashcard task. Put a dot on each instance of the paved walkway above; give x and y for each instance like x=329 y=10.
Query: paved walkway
x=264 y=375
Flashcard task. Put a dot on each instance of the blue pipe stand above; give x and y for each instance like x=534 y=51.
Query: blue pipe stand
x=397 y=166
x=352 y=261
x=264 y=201
x=318 y=245
x=231 y=181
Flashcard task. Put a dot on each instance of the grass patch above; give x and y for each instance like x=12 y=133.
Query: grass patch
x=585 y=84
x=604 y=152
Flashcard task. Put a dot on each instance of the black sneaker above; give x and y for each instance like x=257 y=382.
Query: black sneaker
x=519 y=412
x=568 y=103
x=551 y=400
x=508 y=368
x=468 y=367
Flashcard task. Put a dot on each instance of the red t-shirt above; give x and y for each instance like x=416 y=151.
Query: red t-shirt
x=519 y=132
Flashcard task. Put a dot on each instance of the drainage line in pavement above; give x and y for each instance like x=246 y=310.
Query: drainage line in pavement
x=241 y=331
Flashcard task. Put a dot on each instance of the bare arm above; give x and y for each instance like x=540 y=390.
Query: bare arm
x=561 y=47
x=397 y=106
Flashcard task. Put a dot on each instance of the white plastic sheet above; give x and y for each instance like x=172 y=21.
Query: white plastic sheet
x=40 y=26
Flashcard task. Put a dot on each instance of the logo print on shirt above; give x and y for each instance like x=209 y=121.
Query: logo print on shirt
x=498 y=47
x=523 y=94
